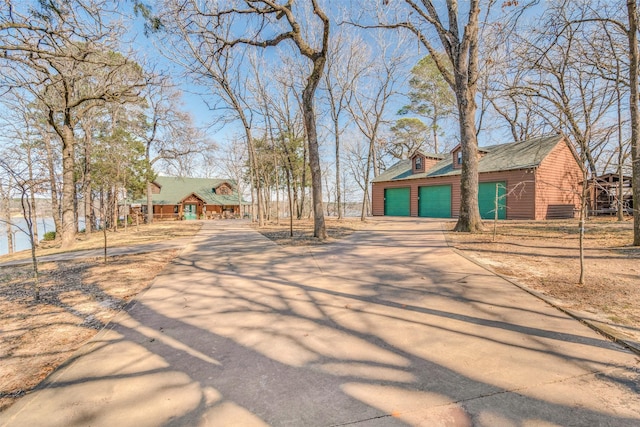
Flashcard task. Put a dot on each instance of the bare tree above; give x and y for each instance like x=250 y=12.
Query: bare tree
x=206 y=60
x=25 y=148
x=5 y=200
x=268 y=23
x=498 y=86
x=359 y=165
x=24 y=185
x=168 y=133
x=269 y=159
x=624 y=21
x=369 y=104
x=570 y=98
x=64 y=56
x=233 y=164
x=634 y=99
x=458 y=38
x=608 y=59
x=346 y=62
x=286 y=114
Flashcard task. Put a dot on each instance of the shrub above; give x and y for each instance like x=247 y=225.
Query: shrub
x=50 y=235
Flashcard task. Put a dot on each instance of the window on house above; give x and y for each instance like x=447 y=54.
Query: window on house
x=459 y=161
x=418 y=162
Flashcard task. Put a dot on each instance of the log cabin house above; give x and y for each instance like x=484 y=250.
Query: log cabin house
x=191 y=198
x=535 y=179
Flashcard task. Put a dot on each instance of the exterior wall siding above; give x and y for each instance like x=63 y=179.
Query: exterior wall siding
x=552 y=190
x=164 y=212
x=558 y=184
x=520 y=192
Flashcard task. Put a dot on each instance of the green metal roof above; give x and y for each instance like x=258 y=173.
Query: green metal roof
x=173 y=190
x=503 y=157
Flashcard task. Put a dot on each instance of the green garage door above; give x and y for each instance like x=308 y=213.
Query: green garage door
x=487 y=199
x=396 y=201
x=435 y=201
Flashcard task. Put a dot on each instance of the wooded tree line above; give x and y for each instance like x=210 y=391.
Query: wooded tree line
x=318 y=94
x=83 y=121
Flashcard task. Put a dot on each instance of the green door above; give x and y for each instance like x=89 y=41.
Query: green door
x=487 y=199
x=435 y=201
x=397 y=201
x=189 y=211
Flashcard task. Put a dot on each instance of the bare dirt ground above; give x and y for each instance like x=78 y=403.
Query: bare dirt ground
x=156 y=232
x=303 y=230
x=77 y=298
x=544 y=257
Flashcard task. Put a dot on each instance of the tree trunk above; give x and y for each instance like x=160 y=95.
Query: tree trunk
x=55 y=205
x=275 y=159
x=148 y=219
x=275 y=166
x=344 y=193
x=365 y=197
x=319 y=229
x=114 y=207
x=290 y=205
x=253 y=162
x=583 y=213
x=88 y=225
x=28 y=217
x=620 y=192
x=103 y=212
x=469 y=219
x=34 y=218
x=620 y=195
x=374 y=156
x=303 y=180
x=68 y=186
x=6 y=210
x=32 y=200
x=308 y=95
x=254 y=172
x=581 y=244
x=634 y=55
x=338 y=193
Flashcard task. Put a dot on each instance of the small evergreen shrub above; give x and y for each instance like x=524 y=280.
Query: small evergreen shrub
x=49 y=235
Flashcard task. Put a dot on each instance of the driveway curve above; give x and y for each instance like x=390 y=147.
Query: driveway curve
x=386 y=327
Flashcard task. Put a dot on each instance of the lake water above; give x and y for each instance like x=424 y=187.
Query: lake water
x=21 y=239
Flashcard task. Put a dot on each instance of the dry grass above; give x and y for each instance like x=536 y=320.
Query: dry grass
x=77 y=298
x=303 y=231
x=544 y=256
x=158 y=231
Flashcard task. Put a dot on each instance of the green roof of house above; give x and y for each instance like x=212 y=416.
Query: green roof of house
x=502 y=157
x=173 y=190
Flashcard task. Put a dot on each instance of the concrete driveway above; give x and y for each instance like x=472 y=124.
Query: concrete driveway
x=387 y=327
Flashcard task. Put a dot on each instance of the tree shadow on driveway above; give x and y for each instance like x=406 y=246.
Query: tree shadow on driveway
x=239 y=331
